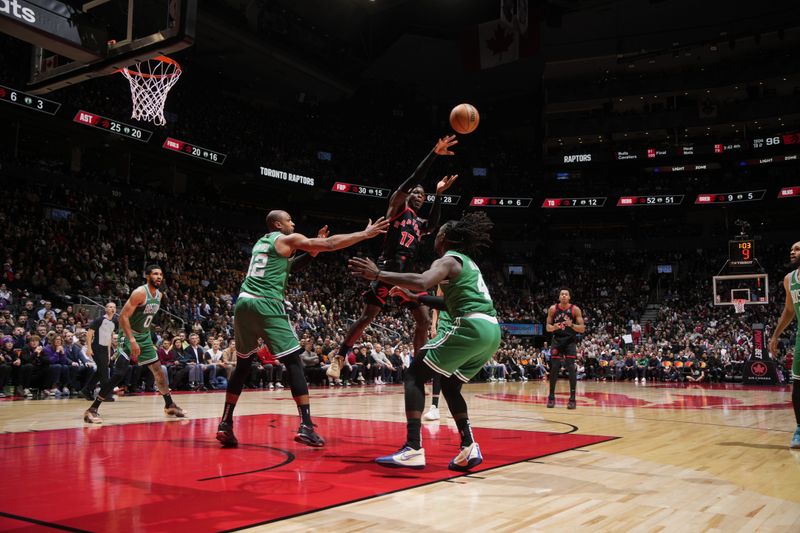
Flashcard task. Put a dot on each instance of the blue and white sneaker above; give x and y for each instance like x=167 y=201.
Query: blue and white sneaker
x=406 y=457
x=469 y=457
x=795 y=444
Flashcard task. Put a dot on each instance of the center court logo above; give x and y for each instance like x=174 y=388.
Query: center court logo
x=13 y=8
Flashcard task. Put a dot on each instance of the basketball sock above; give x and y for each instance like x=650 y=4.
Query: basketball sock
x=96 y=404
x=437 y=388
x=297 y=379
x=555 y=370
x=465 y=430
x=168 y=400
x=235 y=386
x=414 y=433
x=305 y=414
x=796 y=400
x=573 y=378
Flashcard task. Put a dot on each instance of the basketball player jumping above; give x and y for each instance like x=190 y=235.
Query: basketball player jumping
x=564 y=321
x=399 y=250
x=136 y=345
x=260 y=313
x=791 y=311
x=457 y=353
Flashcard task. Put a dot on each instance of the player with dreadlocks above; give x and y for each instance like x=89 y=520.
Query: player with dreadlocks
x=456 y=354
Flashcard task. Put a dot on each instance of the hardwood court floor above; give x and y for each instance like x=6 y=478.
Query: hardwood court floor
x=679 y=459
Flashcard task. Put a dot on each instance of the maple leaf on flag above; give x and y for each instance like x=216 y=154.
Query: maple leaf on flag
x=500 y=41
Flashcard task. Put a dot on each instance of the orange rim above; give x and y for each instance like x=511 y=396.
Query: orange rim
x=163 y=59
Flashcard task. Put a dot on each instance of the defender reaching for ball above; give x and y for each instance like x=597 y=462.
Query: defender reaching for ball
x=260 y=314
x=457 y=353
x=400 y=249
x=791 y=311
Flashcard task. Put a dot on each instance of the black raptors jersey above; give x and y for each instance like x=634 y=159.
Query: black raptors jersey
x=401 y=242
x=563 y=335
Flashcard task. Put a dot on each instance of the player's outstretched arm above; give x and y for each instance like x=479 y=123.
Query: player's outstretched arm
x=436 y=211
x=299 y=262
x=398 y=198
x=287 y=244
x=441 y=269
x=137 y=298
x=784 y=320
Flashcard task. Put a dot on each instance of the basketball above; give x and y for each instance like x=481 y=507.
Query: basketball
x=464 y=118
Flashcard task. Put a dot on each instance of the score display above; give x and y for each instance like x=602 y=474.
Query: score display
x=31 y=101
x=741 y=253
x=789 y=192
x=113 y=126
x=653 y=199
x=361 y=190
x=589 y=201
x=195 y=151
x=447 y=199
x=730 y=197
x=493 y=201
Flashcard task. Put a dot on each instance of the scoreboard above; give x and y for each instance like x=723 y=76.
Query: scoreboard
x=588 y=201
x=112 y=126
x=653 y=199
x=192 y=150
x=741 y=252
x=730 y=197
x=31 y=101
x=497 y=201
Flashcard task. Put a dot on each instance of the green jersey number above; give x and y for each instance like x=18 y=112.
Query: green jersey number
x=258 y=265
x=147 y=321
x=483 y=289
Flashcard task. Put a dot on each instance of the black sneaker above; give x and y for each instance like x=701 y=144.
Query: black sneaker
x=225 y=435
x=551 y=402
x=571 y=403
x=306 y=435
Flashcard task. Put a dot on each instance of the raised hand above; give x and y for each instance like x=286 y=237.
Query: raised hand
x=445 y=183
x=323 y=232
x=444 y=144
x=380 y=226
x=363 y=268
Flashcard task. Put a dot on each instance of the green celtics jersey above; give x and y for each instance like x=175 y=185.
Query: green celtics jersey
x=143 y=315
x=468 y=292
x=794 y=292
x=268 y=270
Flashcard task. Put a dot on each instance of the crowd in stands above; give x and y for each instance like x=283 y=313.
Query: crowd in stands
x=61 y=242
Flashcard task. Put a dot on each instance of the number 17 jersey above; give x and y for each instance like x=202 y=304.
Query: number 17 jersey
x=268 y=271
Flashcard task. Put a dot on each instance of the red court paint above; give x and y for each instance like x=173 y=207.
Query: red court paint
x=173 y=476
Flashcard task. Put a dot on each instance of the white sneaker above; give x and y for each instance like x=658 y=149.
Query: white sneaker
x=469 y=457
x=524 y=378
x=336 y=367
x=65 y=391
x=636 y=380
x=278 y=385
x=339 y=383
x=432 y=414
x=378 y=381
x=28 y=393
x=271 y=386
x=644 y=380
x=361 y=379
x=406 y=457
x=502 y=380
x=330 y=383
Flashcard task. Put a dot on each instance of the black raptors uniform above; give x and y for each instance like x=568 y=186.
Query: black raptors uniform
x=400 y=247
x=564 y=338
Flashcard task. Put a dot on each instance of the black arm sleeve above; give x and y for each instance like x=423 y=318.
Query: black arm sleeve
x=434 y=302
x=300 y=262
x=419 y=174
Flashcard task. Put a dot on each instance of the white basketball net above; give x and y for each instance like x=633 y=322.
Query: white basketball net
x=150 y=82
x=738 y=305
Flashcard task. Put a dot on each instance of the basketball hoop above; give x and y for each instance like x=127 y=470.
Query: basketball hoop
x=150 y=82
x=738 y=305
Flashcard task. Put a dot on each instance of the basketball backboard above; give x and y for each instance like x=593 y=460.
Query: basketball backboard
x=75 y=40
x=752 y=288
